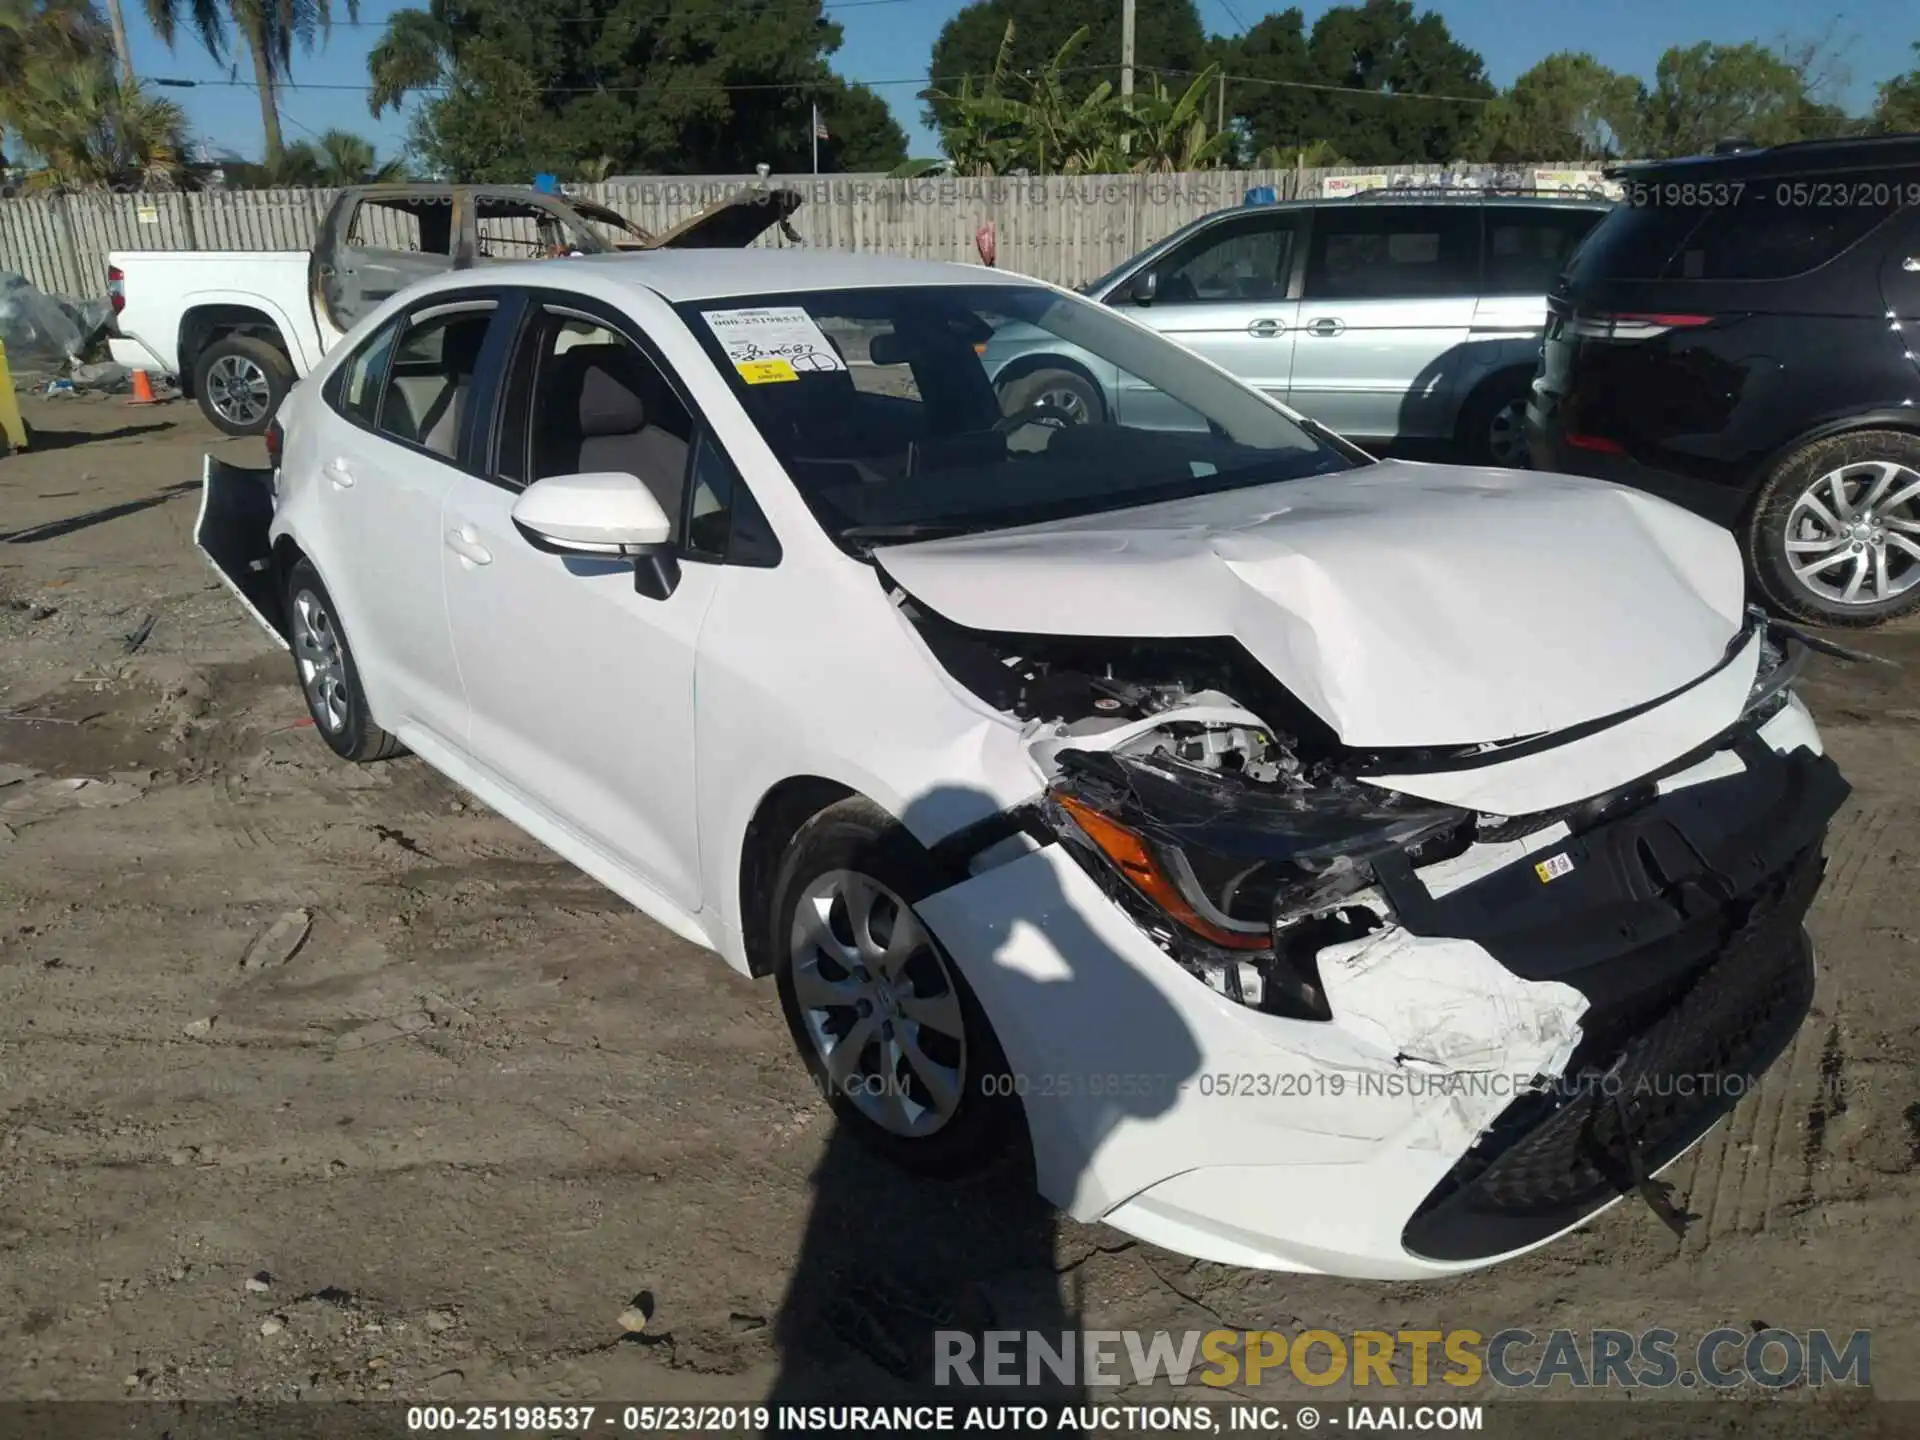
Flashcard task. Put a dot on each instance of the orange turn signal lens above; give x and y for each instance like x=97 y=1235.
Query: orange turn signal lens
x=1130 y=855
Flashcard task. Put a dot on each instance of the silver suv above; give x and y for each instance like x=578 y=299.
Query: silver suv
x=1383 y=317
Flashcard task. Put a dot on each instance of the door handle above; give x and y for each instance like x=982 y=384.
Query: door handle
x=338 y=472
x=1264 y=328
x=1326 y=327
x=465 y=542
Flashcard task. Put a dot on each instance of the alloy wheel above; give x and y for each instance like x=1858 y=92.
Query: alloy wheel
x=1067 y=400
x=1506 y=437
x=879 y=1004
x=323 y=666
x=238 y=390
x=1853 y=535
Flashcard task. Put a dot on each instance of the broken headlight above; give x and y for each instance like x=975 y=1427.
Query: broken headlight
x=1780 y=661
x=1227 y=872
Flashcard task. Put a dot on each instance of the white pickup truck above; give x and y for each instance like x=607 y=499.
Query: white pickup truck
x=236 y=328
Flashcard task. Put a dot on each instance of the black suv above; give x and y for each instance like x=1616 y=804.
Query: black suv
x=1736 y=336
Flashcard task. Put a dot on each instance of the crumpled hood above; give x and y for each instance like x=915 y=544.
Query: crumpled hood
x=1405 y=604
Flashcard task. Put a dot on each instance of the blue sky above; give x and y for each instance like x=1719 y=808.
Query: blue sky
x=891 y=42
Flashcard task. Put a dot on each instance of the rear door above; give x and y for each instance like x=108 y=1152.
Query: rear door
x=388 y=447
x=1385 y=315
x=1225 y=293
x=373 y=247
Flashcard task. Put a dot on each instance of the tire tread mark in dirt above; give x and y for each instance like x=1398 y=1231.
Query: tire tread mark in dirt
x=1828 y=1105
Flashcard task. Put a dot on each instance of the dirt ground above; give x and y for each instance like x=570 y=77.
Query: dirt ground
x=483 y=1106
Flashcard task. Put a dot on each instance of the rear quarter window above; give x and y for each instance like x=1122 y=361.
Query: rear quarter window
x=1767 y=240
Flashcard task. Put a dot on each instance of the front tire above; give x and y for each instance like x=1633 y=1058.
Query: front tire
x=240 y=381
x=881 y=1015
x=328 y=677
x=1834 y=534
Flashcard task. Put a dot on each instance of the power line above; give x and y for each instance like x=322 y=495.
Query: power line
x=1233 y=15
x=807 y=85
x=604 y=21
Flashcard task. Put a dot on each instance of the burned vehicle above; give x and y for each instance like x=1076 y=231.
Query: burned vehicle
x=1314 y=863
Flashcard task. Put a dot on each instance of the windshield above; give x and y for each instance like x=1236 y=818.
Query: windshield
x=904 y=413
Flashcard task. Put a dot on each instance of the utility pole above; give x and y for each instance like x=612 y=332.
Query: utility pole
x=120 y=49
x=1220 y=107
x=1126 y=49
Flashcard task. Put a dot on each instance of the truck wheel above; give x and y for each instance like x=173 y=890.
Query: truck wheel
x=240 y=381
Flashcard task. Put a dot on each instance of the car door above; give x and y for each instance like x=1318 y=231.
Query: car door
x=1385 y=313
x=372 y=248
x=1223 y=293
x=579 y=687
x=388 y=450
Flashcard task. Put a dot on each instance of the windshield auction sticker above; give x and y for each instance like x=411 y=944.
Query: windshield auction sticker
x=774 y=344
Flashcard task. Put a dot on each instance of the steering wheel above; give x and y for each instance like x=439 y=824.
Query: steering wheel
x=1040 y=412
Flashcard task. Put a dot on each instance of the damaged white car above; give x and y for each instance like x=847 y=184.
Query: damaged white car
x=1319 y=864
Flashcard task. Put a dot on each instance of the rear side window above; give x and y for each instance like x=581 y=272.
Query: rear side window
x=357 y=395
x=378 y=226
x=1763 y=240
x=1527 y=248
x=430 y=380
x=1406 y=251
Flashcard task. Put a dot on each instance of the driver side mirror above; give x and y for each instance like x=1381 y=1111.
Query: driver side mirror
x=604 y=513
x=1144 y=287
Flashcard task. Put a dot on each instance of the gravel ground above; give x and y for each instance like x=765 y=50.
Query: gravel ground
x=321 y=1081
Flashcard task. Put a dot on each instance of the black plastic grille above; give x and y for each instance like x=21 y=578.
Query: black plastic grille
x=1674 y=1058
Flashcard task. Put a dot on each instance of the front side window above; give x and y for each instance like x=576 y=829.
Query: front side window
x=1246 y=259
x=430 y=380
x=583 y=398
x=882 y=406
x=1393 y=252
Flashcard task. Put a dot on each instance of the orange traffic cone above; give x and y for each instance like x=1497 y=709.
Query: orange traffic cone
x=142 y=390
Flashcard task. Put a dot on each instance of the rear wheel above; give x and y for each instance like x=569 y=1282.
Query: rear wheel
x=240 y=381
x=329 y=679
x=880 y=1013
x=1493 y=426
x=1834 y=537
x=1065 y=393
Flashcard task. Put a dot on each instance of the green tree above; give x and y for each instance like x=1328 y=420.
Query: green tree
x=1270 y=65
x=1706 y=93
x=269 y=30
x=337 y=158
x=1387 y=54
x=1567 y=107
x=652 y=86
x=1167 y=36
x=66 y=104
x=1034 y=121
x=1896 y=111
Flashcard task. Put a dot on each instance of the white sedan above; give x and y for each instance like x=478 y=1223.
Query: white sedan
x=1318 y=863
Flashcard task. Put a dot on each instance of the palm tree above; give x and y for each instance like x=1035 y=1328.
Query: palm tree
x=64 y=102
x=269 y=28
x=416 y=50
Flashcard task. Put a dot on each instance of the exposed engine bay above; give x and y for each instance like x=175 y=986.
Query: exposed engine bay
x=1225 y=817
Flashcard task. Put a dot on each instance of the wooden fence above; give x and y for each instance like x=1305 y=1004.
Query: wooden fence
x=1068 y=229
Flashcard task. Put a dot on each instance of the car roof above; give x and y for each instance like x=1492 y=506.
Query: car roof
x=1800 y=157
x=678 y=275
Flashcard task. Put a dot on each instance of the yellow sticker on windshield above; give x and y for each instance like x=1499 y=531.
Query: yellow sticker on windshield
x=766 y=372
